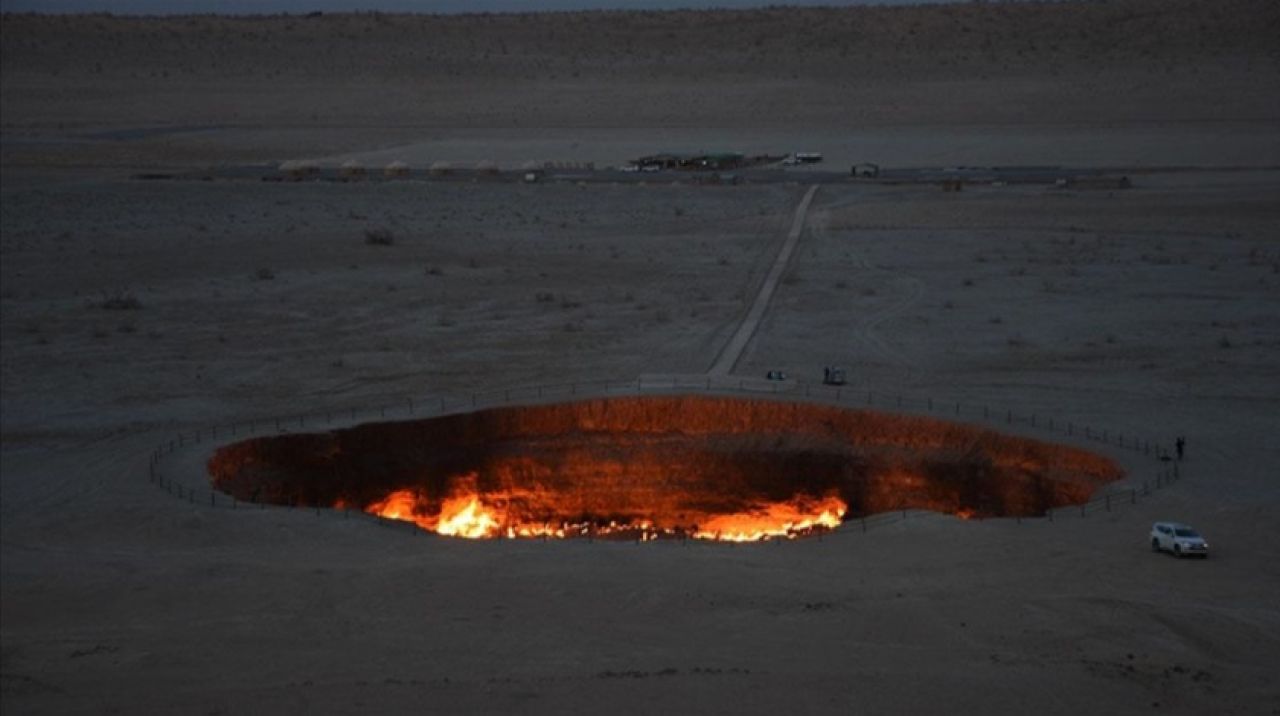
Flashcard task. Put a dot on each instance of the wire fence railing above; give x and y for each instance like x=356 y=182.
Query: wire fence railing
x=1164 y=472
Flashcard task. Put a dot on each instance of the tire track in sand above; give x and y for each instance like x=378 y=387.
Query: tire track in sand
x=865 y=331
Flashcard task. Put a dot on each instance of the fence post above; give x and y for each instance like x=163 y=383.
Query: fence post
x=957 y=407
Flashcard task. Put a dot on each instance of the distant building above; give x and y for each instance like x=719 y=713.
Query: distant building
x=351 y=170
x=298 y=170
x=690 y=162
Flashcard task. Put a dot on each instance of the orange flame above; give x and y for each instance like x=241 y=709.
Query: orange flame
x=779 y=519
x=475 y=516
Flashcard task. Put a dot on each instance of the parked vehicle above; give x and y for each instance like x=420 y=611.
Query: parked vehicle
x=1180 y=539
x=833 y=375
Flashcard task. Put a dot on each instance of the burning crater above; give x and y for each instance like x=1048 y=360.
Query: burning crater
x=648 y=467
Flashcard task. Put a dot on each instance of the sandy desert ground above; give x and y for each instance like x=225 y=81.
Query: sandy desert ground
x=1150 y=311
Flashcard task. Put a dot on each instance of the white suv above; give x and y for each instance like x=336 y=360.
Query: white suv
x=1179 y=539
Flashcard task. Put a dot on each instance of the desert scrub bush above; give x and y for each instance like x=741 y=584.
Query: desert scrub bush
x=379 y=237
x=264 y=274
x=120 y=301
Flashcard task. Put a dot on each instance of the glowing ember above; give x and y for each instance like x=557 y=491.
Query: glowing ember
x=780 y=519
x=474 y=516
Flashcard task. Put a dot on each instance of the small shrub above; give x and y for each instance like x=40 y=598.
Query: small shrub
x=1224 y=342
x=264 y=274
x=967 y=282
x=545 y=297
x=379 y=237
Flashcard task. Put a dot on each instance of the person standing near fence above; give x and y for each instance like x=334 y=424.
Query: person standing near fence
x=1180 y=445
